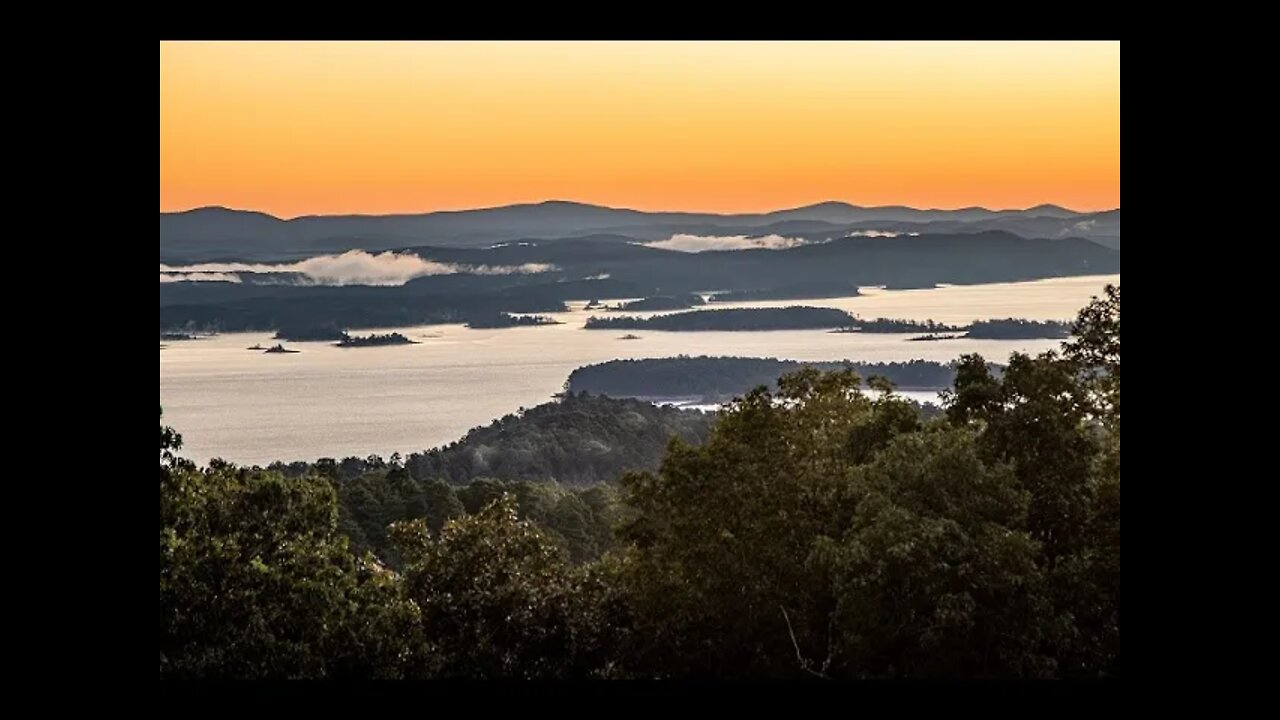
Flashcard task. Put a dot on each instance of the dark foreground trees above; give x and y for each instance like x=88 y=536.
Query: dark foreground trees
x=255 y=582
x=819 y=531
x=499 y=599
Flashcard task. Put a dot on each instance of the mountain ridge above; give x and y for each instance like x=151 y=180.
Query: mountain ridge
x=218 y=231
x=825 y=204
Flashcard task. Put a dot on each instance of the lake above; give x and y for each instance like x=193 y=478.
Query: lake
x=248 y=407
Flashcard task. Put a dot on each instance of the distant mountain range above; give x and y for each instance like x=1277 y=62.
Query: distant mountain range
x=223 y=234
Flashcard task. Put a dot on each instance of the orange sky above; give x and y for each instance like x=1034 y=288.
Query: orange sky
x=317 y=128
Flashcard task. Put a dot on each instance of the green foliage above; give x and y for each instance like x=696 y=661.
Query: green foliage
x=255 y=582
x=1035 y=418
x=723 y=533
x=580 y=440
x=170 y=443
x=1055 y=419
x=499 y=598
x=579 y=520
x=820 y=532
x=371 y=501
x=935 y=576
x=1096 y=352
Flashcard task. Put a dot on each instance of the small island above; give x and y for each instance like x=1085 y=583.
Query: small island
x=1006 y=329
x=662 y=302
x=1013 y=329
x=506 y=320
x=710 y=380
x=731 y=319
x=888 y=325
x=629 y=336
x=374 y=340
x=278 y=348
x=255 y=346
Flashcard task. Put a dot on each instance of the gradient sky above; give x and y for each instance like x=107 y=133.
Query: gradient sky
x=298 y=128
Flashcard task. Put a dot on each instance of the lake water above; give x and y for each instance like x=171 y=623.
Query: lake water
x=325 y=401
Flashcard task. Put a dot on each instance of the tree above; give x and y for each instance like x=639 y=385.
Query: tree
x=498 y=598
x=1056 y=420
x=721 y=575
x=1095 y=350
x=935 y=576
x=170 y=443
x=255 y=582
x=1035 y=417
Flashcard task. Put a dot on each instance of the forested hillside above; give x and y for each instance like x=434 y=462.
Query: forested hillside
x=816 y=531
x=715 y=379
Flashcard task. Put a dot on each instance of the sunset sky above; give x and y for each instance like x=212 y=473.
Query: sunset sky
x=322 y=128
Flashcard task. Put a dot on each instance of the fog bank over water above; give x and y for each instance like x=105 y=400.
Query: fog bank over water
x=354 y=267
x=706 y=243
x=168 y=277
x=712 y=243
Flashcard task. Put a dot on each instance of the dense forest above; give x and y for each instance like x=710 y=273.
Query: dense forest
x=580 y=440
x=1016 y=329
x=559 y=460
x=817 y=531
x=505 y=320
x=579 y=520
x=716 y=379
x=788 y=318
x=1004 y=329
x=889 y=325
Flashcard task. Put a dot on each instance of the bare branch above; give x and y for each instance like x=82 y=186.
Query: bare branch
x=826 y=664
x=804 y=664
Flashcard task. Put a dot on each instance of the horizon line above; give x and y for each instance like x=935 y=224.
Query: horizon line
x=631 y=209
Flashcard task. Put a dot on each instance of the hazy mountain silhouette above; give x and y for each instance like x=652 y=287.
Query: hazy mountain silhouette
x=217 y=232
x=607 y=267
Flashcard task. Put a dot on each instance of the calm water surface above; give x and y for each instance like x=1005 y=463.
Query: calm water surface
x=325 y=401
